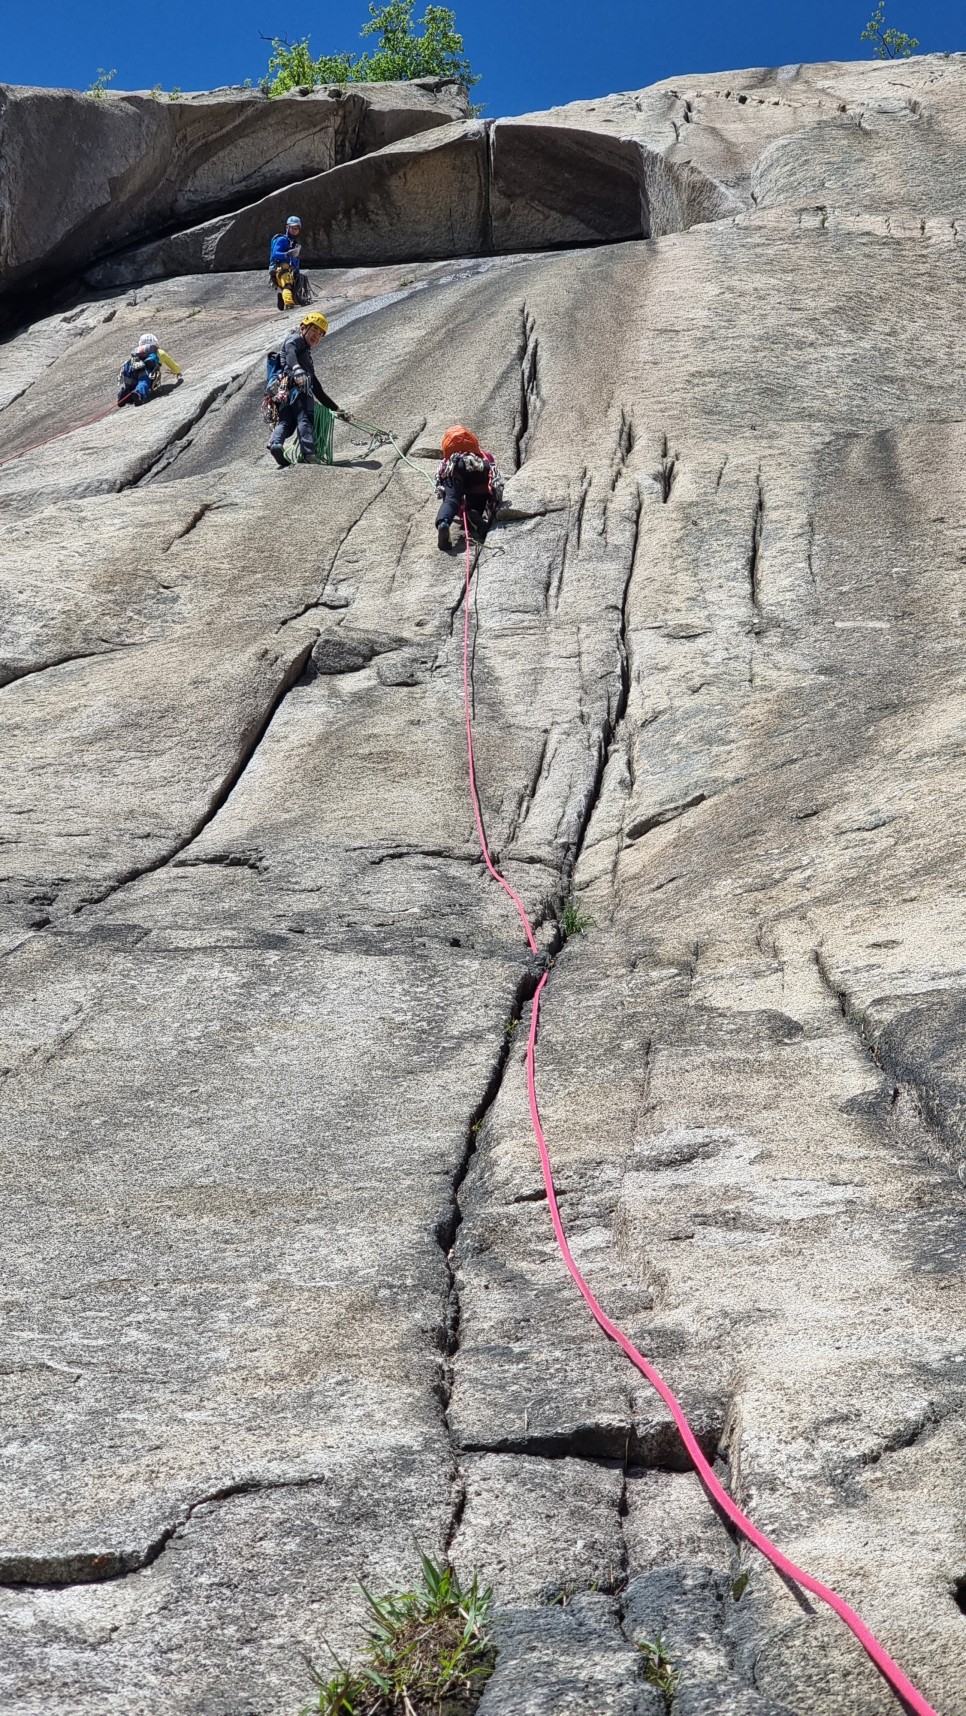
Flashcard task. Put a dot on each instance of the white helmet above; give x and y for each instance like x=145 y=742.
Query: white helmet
x=148 y=342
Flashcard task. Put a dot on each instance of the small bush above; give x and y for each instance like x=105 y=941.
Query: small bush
x=99 y=86
x=887 y=44
x=427 y=1651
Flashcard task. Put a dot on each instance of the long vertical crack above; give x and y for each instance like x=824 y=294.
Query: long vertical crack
x=448 y=1226
x=530 y=398
x=614 y=717
x=754 y=557
x=153 y=463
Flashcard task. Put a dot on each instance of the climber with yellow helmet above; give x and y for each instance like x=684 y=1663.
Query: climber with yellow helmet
x=295 y=383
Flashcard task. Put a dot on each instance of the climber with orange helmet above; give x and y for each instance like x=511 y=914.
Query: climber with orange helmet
x=297 y=383
x=466 y=481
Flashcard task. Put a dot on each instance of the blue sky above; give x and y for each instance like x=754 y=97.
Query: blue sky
x=532 y=53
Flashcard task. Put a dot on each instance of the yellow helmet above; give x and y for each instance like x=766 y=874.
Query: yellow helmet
x=315 y=319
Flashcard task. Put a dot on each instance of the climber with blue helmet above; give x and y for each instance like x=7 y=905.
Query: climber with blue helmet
x=141 y=374
x=284 y=268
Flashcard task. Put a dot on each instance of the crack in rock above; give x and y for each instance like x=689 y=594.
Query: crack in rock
x=85 y=1567
x=248 y=745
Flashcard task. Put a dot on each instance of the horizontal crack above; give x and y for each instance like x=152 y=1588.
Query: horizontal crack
x=649 y=1444
x=11 y=675
x=644 y=824
x=57 y=1572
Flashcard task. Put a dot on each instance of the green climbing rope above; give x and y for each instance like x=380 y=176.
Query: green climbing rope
x=385 y=438
x=324 y=419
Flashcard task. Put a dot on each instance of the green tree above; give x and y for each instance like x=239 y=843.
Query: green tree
x=400 y=53
x=887 y=44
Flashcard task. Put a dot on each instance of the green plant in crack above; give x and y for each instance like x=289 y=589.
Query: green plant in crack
x=427 y=1652
x=572 y=920
x=659 y=1669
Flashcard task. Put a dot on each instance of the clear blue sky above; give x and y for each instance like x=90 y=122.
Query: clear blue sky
x=532 y=53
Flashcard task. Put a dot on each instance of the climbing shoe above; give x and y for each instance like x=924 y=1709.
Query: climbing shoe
x=280 y=301
x=442 y=536
x=279 y=457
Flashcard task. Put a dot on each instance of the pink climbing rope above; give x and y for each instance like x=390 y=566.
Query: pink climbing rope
x=59 y=435
x=715 y=1489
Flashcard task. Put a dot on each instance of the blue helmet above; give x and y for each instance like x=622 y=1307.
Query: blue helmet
x=294 y=220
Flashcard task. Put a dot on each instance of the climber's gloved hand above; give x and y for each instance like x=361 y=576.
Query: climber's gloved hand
x=344 y=416
x=300 y=378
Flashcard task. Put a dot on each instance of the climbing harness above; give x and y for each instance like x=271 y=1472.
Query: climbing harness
x=714 y=1488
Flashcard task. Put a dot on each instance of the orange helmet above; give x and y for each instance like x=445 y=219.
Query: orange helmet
x=459 y=440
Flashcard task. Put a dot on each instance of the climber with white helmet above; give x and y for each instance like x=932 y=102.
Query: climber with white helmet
x=284 y=268
x=293 y=385
x=142 y=372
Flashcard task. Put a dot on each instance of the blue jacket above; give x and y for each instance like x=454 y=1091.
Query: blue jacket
x=283 y=250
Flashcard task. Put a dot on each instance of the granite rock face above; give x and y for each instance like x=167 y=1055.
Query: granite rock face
x=849 y=137
x=281 y=1289
x=126 y=165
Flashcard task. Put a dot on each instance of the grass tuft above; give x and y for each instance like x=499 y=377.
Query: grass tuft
x=572 y=920
x=658 y=1666
x=427 y=1653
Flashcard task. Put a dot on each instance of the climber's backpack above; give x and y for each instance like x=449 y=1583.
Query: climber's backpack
x=130 y=373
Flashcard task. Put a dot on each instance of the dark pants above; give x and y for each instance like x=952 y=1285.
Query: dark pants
x=477 y=503
x=298 y=414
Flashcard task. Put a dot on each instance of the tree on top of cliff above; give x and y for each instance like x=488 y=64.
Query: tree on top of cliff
x=400 y=54
x=887 y=44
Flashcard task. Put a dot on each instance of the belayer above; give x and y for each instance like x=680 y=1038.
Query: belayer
x=468 y=479
x=284 y=268
x=142 y=372
x=292 y=387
